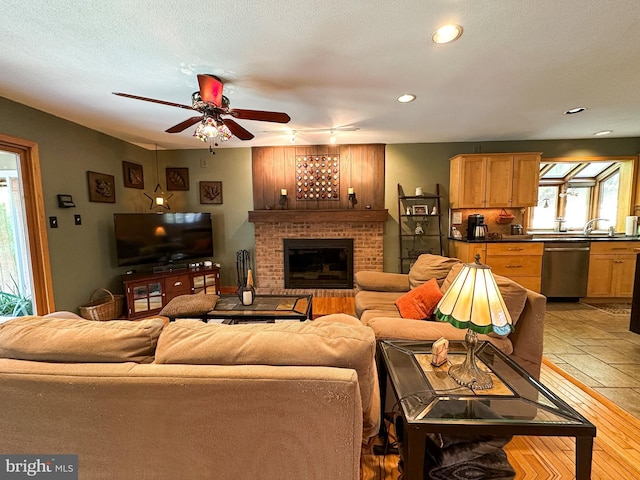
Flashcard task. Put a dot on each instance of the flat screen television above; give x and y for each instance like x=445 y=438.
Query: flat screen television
x=162 y=238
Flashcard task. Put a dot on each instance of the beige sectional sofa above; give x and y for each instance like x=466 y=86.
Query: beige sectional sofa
x=376 y=308
x=152 y=399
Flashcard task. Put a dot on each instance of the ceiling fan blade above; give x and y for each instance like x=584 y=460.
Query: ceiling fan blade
x=237 y=130
x=261 y=115
x=153 y=100
x=183 y=125
x=210 y=89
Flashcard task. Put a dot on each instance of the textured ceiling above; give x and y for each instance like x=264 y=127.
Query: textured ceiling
x=518 y=66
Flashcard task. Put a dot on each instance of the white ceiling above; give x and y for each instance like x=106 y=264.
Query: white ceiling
x=518 y=66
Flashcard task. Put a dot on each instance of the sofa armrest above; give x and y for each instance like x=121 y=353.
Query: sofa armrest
x=382 y=281
x=528 y=335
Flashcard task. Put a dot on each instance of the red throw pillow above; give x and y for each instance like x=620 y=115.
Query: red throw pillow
x=420 y=302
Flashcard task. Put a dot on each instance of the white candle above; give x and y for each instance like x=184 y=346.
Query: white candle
x=350 y=190
x=283 y=191
x=246 y=297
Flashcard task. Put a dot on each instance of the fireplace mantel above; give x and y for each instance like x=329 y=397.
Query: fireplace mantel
x=333 y=216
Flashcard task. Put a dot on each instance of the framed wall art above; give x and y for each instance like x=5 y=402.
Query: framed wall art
x=101 y=187
x=177 y=178
x=420 y=210
x=133 y=176
x=211 y=192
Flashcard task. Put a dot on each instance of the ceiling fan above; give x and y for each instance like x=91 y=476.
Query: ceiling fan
x=213 y=105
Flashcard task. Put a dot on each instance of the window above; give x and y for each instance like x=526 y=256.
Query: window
x=608 y=207
x=546 y=211
x=578 y=192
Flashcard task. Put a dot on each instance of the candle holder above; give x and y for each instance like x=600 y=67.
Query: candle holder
x=283 y=201
x=352 y=199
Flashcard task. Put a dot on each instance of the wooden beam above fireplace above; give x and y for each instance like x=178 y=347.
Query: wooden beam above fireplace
x=324 y=216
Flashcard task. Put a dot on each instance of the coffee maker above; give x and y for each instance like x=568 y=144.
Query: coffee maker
x=476 y=228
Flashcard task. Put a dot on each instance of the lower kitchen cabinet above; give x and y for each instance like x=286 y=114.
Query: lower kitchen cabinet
x=611 y=269
x=519 y=261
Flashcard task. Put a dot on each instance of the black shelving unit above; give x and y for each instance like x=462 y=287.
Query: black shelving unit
x=413 y=211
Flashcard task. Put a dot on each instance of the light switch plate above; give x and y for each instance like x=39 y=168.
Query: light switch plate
x=77 y=219
x=53 y=222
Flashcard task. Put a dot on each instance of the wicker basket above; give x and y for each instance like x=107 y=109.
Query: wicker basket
x=504 y=217
x=102 y=308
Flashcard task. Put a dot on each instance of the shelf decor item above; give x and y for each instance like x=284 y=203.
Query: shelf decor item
x=317 y=177
x=246 y=290
x=420 y=210
x=474 y=302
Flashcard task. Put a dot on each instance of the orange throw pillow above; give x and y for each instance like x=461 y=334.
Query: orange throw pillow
x=420 y=302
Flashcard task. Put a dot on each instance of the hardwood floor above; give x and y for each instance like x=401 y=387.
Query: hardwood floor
x=616 y=453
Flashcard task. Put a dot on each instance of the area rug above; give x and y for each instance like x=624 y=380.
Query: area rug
x=612 y=308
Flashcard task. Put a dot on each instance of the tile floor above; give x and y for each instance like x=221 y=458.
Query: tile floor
x=596 y=348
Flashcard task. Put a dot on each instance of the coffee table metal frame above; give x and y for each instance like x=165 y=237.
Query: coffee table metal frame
x=524 y=407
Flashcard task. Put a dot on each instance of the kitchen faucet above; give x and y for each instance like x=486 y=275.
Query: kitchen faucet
x=588 y=227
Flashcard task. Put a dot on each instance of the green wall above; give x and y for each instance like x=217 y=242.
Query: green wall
x=83 y=257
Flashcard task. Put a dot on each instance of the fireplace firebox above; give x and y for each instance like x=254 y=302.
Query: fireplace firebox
x=318 y=263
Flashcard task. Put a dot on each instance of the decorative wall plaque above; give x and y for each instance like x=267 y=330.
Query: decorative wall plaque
x=211 y=192
x=101 y=187
x=318 y=177
x=177 y=178
x=133 y=176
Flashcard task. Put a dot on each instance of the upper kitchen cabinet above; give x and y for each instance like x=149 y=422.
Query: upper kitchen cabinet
x=494 y=180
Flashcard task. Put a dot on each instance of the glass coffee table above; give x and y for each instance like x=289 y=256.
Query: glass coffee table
x=264 y=309
x=432 y=402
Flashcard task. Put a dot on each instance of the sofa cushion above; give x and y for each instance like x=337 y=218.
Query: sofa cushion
x=330 y=344
x=429 y=266
x=366 y=300
x=390 y=328
x=382 y=281
x=420 y=302
x=513 y=294
x=189 y=305
x=79 y=340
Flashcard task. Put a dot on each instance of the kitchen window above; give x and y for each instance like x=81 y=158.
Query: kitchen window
x=577 y=191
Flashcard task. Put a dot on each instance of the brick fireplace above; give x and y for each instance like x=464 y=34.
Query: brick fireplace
x=364 y=227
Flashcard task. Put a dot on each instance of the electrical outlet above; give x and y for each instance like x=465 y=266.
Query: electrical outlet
x=77 y=219
x=53 y=222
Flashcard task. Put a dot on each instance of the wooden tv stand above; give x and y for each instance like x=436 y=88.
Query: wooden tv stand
x=146 y=293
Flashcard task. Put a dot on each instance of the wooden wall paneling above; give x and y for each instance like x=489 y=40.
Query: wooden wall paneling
x=289 y=175
x=378 y=177
x=257 y=166
x=346 y=174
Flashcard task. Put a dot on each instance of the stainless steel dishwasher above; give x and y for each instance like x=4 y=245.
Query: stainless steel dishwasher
x=565 y=267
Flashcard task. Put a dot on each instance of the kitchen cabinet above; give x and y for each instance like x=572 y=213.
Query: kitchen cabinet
x=147 y=293
x=419 y=226
x=611 y=268
x=519 y=261
x=494 y=180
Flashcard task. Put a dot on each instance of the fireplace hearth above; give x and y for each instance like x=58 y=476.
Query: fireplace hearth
x=318 y=263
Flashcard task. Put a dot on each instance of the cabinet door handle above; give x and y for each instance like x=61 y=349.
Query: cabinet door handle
x=177 y=284
x=514 y=249
x=514 y=266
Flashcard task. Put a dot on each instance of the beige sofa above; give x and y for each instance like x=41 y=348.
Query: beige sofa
x=152 y=399
x=376 y=308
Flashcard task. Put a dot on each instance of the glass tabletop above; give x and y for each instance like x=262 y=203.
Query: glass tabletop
x=427 y=394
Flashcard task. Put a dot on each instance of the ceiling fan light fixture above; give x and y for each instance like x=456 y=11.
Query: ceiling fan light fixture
x=447 y=33
x=406 y=98
x=332 y=137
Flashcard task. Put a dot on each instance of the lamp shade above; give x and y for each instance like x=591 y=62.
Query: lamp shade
x=474 y=301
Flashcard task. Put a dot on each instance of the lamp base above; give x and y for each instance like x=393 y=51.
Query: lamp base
x=467 y=373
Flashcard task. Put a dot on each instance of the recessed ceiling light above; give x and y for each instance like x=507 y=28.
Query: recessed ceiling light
x=603 y=132
x=575 y=110
x=406 y=98
x=447 y=33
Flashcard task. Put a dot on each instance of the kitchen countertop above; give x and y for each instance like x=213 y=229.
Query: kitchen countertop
x=552 y=238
